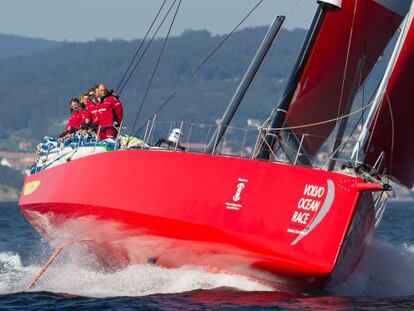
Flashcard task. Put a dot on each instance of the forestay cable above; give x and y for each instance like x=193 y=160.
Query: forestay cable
x=139 y=47
x=157 y=64
x=147 y=46
x=206 y=59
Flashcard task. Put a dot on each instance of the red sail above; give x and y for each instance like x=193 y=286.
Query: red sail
x=393 y=125
x=356 y=33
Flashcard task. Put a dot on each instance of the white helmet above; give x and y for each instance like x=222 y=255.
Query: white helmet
x=175 y=136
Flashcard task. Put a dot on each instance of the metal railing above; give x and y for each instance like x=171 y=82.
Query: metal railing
x=196 y=136
x=246 y=142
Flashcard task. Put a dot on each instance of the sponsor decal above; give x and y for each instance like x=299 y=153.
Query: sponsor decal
x=31 y=187
x=235 y=205
x=310 y=210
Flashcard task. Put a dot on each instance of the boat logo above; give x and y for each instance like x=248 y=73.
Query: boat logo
x=237 y=196
x=31 y=187
x=309 y=212
x=240 y=188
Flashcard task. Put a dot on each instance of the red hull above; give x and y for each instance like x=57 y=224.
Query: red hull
x=271 y=221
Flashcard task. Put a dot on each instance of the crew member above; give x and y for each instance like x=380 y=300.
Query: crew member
x=83 y=98
x=90 y=118
x=75 y=121
x=110 y=113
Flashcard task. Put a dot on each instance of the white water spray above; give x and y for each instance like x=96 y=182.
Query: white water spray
x=79 y=274
x=385 y=271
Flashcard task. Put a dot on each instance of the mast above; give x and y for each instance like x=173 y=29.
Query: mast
x=279 y=114
x=245 y=83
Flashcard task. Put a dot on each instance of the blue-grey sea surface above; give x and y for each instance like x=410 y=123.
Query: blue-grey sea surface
x=384 y=278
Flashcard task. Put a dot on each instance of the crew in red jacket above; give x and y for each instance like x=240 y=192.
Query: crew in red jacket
x=91 y=113
x=90 y=117
x=75 y=120
x=110 y=113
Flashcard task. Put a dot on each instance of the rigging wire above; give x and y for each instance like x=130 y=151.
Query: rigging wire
x=351 y=114
x=365 y=53
x=364 y=108
x=323 y=122
x=157 y=63
x=198 y=68
x=293 y=10
x=351 y=35
x=392 y=132
x=147 y=46
x=342 y=147
x=374 y=120
x=140 y=46
x=360 y=119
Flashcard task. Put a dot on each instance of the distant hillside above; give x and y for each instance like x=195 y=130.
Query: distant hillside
x=35 y=89
x=12 y=46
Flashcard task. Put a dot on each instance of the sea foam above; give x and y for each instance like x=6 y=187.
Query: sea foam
x=385 y=271
x=77 y=273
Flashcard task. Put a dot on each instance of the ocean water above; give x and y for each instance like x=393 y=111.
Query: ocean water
x=384 y=278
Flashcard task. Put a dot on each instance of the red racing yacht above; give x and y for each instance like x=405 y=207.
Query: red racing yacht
x=279 y=216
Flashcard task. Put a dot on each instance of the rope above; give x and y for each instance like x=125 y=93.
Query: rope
x=147 y=46
x=316 y=123
x=55 y=254
x=342 y=146
x=157 y=64
x=360 y=120
x=195 y=71
x=261 y=140
x=321 y=122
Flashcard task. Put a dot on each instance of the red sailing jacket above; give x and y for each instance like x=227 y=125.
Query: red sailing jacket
x=91 y=113
x=109 y=110
x=75 y=121
x=118 y=108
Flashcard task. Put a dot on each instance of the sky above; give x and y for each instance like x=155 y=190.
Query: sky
x=86 y=20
